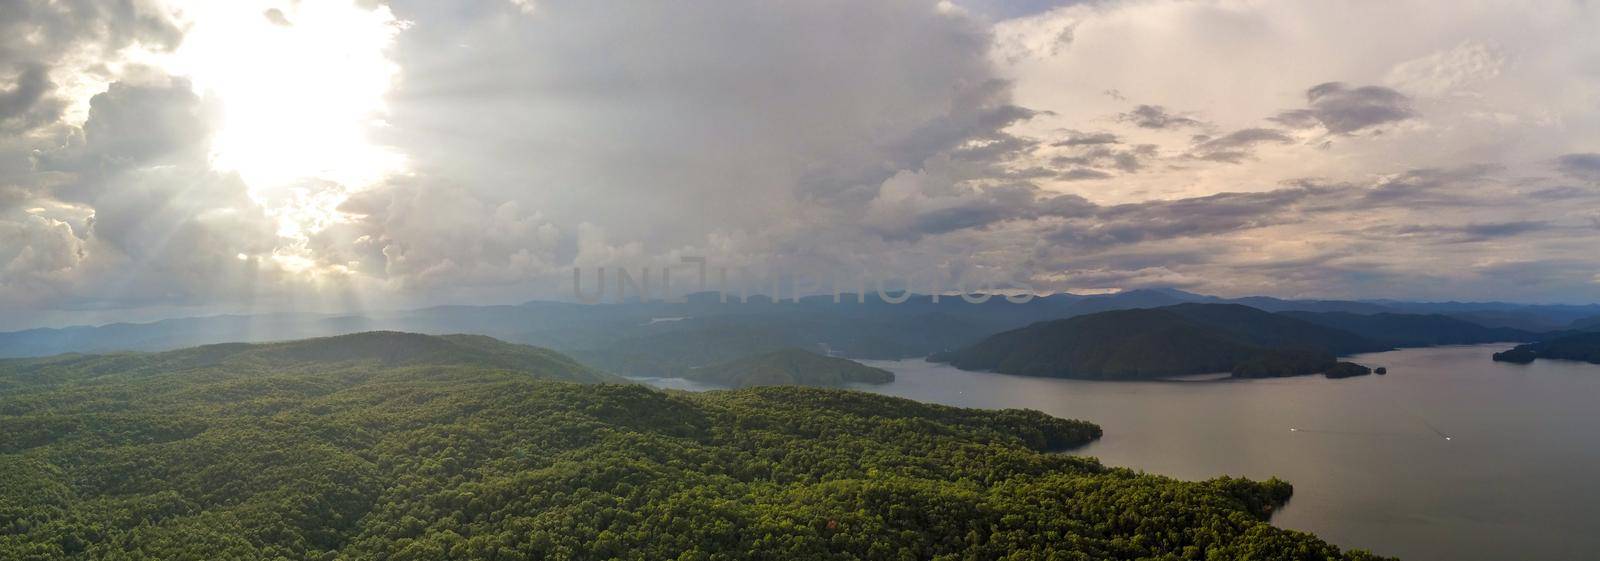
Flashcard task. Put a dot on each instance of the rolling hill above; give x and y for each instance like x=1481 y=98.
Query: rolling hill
x=415 y=448
x=1169 y=341
x=790 y=367
x=365 y=352
x=1415 y=330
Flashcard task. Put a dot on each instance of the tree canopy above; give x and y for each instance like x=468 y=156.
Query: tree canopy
x=371 y=455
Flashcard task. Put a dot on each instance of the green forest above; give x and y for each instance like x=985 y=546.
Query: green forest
x=1168 y=341
x=407 y=447
x=790 y=367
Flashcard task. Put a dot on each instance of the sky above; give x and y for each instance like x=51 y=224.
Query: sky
x=168 y=158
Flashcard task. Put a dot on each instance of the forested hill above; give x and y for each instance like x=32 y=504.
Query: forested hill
x=793 y=367
x=1415 y=330
x=313 y=453
x=1584 y=346
x=1168 y=341
x=383 y=349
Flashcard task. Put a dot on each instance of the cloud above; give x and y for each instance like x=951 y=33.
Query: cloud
x=276 y=16
x=24 y=106
x=409 y=233
x=38 y=257
x=1236 y=146
x=1075 y=138
x=1201 y=216
x=1584 y=166
x=1451 y=71
x=965 y=142
x=1103 y=154
x=1156 y=117
x=1080 y=174
x=1473 y=232
x=136 y=124
x=125 y=211
x=701 y=120
x=34 y=30
x=1343 y=110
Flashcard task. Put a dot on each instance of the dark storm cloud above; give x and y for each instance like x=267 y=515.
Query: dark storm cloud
x=24 y=106
x=1156 y=117
x=1585 y=166
x=1343 y=110
x=1236 y=146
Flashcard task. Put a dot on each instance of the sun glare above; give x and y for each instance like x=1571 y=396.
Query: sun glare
x=300 y=87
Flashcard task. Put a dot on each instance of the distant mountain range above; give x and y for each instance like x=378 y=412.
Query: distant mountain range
x=667 y=339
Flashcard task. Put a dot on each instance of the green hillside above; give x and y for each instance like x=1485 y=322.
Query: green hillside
x=378 y=349
x=1169 y=341
x=380 y=449
x=790 y=367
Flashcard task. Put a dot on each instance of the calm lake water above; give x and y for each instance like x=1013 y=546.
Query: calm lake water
x=1449 y=457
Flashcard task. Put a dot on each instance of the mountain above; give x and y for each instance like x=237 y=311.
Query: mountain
x=662 y=338
x=1527 y=317
x=364 y=352
x=1579 y=346
x=1414 y=330
x=1169 y=341
x=790 y=367
x=1585 y=324
x=168 y=334
x=1275 y=330
x=377 y=446
x=1280 y=305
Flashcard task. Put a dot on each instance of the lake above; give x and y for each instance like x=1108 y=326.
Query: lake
x=1448 y=457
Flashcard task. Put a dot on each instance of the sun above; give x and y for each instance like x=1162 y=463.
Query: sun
x=300 y=90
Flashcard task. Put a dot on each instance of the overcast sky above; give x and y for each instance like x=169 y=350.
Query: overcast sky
x=176 y=158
